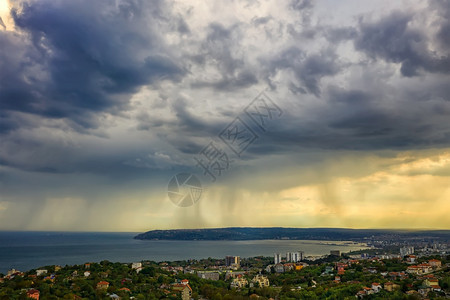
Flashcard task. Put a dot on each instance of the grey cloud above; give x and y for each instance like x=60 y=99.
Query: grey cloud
x=336 y=35
x=81 y=64
x=392 y=39
x=307 y=69
x=219 y=49
x=301 y=4
x=364 y=119
x=82 y=58
x=261 y=20
x=442 y=9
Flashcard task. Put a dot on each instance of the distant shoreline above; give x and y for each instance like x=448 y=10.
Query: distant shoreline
x=283 y=233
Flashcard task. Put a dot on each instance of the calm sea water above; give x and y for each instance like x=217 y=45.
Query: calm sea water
x=28 y=250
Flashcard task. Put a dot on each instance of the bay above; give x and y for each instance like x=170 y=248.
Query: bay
x=29 y=250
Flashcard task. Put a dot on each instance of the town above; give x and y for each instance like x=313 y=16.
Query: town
x=412 y=273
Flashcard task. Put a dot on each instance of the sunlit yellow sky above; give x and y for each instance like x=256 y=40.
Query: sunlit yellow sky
x=102 y=103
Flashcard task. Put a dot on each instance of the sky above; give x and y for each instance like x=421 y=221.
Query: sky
x=103 y=102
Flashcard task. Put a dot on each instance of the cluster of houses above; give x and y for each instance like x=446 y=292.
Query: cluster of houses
x=11 y=274
x=281 y=268
x=173 y=269
x=423 y=268
x=104 y=285
x=429 y=281
x=257 y=281
x=33 y=294
x=376 y=288
x=30 y=292
x=180 y=288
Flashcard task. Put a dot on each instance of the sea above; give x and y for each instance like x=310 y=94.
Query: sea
x=24 y=251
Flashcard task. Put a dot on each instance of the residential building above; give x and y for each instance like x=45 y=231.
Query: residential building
x=239 y=282
x=41 y=272
x=208 y=275
x=233 y=261
x=233 y=274
x=376 y=287
x=51 y=278
x=260 y=281
x=414 y=270
x=406 y=251
x=12 y=272
x=279 y=268
x=432 y=283
x=288 y=267
x=435 y=263
x=419 y=269
x=184 y=289
x=411 y=259
x=390 y=286
x=33 y=293
x=341 y=268
x=328 y=270
x=294 y=256
x=136 y=266
x=426 y=268
x=277 y=258
x=102 y=285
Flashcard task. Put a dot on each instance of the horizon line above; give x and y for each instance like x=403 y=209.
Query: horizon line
x=228 y=227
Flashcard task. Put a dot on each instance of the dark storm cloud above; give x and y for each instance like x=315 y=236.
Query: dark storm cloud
x=69 y=62
x=393 y=39
x=308 y=69
x=364 y=118
x=79 y=58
